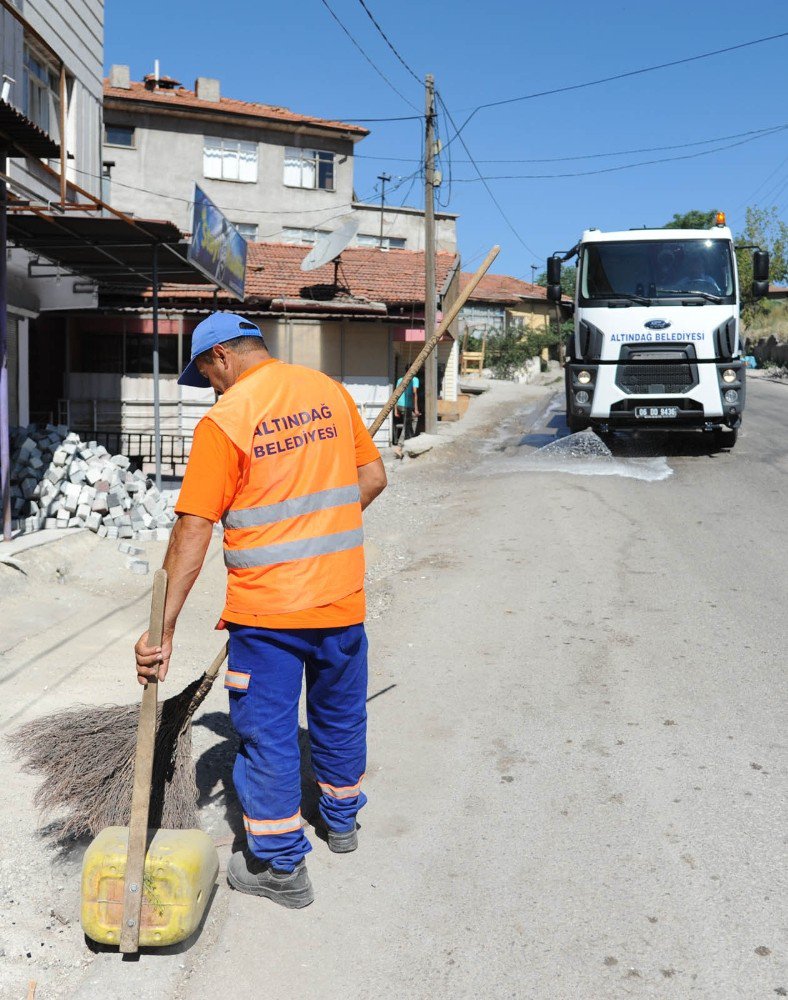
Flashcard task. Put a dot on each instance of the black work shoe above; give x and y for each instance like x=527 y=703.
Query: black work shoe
x=250 y=874
x=342 y=842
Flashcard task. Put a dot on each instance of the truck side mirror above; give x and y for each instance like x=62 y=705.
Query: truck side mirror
x=553 y=270
x=554 y=293
x=760 y=265
x=760 y=289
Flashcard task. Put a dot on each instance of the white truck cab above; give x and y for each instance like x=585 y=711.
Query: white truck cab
x=656 y=339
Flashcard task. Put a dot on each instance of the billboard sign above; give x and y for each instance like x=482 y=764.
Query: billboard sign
x=217 y=248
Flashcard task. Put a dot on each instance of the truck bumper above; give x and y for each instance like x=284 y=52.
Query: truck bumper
x=600 y=401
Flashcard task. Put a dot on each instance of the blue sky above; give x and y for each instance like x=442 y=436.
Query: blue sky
x=297 y=56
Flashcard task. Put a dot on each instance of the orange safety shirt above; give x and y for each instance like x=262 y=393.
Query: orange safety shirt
x=225 y=479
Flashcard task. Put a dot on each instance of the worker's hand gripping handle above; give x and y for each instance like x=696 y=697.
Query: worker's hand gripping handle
x=143 y=771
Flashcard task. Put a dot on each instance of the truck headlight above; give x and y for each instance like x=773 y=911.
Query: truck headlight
x=582 y=397
x=731 y=396
x=729 y=375
x=584 y=377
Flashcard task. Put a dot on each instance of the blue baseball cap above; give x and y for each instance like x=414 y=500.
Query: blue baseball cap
x=216 y=329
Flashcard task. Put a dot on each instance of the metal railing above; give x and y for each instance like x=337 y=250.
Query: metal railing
x=139 y=447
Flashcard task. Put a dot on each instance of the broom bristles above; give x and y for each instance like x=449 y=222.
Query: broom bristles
x=86 y=756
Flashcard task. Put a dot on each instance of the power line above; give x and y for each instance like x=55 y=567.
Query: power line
x=400 y=182
x=380 y=73
x=495 y=201
x=190 y=201
x=364 y=121
x=616 y=76
x=611 y=170
x=774 y=189
x=587 y=156
x=385 y=38
x=762 y=185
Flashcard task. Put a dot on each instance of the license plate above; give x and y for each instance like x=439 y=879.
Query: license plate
x=656 y=412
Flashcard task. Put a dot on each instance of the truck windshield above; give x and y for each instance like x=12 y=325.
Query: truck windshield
x=662 y=270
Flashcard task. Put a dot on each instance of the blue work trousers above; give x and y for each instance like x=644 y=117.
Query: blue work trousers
x=263 y=679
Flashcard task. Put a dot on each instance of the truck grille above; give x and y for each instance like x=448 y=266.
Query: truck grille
x=649 y=379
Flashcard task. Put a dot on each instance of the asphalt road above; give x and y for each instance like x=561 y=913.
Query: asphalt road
x=577 y=766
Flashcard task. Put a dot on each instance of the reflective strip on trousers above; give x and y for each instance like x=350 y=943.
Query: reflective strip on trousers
x=343 y=792
x=252 y=517
x=269 y=827
x=237 y=680
x=305 y=548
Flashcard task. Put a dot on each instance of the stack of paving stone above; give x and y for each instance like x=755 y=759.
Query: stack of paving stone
x=60 y=481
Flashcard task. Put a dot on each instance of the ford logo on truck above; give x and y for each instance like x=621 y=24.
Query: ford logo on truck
x=657 y=324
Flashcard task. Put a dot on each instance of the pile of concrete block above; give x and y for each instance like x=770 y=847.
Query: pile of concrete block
x=60 y=481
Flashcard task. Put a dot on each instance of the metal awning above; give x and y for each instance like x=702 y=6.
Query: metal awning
x=114 y=252
x=20 y=137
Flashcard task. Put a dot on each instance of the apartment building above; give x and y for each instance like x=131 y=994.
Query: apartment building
x=278 y=175
x=51 y=61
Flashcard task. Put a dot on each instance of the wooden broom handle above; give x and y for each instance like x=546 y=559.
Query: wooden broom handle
x=205 y=684
x=143 y=772
x=429 y=347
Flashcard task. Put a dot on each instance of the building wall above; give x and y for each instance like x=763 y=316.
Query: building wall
x=75 y=30
x=479 y=317
x=355 y=353
x=156 y=178
x=144 y=183
x=538 y=315
x=408 y=223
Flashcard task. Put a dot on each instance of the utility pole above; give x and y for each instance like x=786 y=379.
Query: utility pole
x=533 y=274
x=430 y=296
x=384 y=179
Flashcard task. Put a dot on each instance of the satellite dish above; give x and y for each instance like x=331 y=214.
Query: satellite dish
x=330 y=246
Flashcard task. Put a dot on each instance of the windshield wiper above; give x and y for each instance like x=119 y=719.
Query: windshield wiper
x=708 y=296
x=628 y=298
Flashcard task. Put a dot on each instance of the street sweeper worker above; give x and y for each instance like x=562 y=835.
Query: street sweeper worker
x=285 y=462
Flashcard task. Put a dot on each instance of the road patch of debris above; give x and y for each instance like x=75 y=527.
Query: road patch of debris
x=585 y=454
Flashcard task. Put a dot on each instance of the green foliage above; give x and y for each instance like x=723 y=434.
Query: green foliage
x=507 y=352
x=474 y=343
x=694 y=219
x=568 y=276
x=762 y=227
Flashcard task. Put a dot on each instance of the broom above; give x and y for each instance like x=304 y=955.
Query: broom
x=86 y=756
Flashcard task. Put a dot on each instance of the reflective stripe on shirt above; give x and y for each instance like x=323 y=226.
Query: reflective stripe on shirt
x=305 y=548
x=252 y=517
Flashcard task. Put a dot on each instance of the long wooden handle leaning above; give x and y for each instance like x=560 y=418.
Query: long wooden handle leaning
x=431 y=344
x=143 y=771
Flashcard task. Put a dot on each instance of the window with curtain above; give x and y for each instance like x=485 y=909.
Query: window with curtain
x=119 y=135
x=294 y=234
x=41 y=91
x=230 y=160
x=247 y=229
x=309 y=168
x=389 y=242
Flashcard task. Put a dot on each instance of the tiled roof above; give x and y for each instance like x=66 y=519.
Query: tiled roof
x=390 y=276
x=370 y=275
x=183 y=98
x=501 y=288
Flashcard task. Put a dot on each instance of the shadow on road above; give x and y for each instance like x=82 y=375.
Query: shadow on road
x=214 y=772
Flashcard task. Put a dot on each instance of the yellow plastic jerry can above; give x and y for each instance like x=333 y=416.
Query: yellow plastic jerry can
x=180 y=872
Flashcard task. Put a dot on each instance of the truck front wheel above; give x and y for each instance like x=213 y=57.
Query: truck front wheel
x=576 y=424
x=726 y=438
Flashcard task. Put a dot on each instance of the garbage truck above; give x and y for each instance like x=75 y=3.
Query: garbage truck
x=656 y=340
